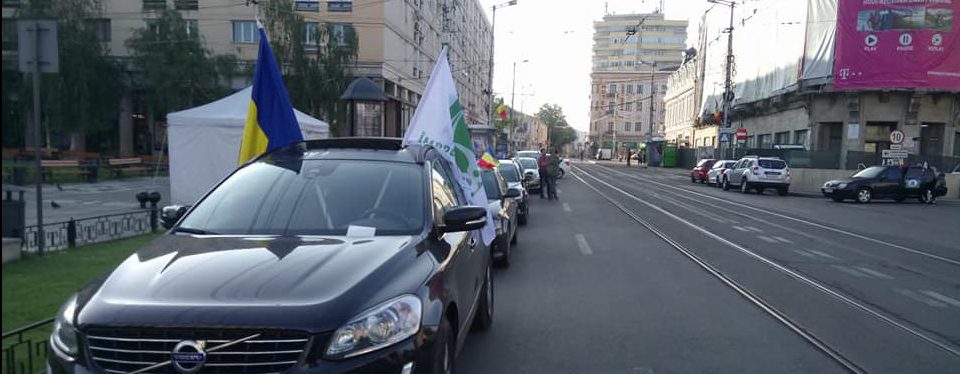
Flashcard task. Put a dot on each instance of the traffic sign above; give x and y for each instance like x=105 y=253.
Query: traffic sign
x=896 y=137
x=896 y=147
x=724 y=137
x=741 y=134
x=892 y=153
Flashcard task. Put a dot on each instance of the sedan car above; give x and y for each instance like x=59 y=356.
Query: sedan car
x=699 y=172
x=328 y=256
x=527 y=154
x=887 y=182
x=715 y=174
x=531 y=173
x=511 y=173
x=503 y=206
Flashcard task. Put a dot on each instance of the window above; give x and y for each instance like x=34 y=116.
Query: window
x=100 y=27
x=892 y=174
x=612 y=88
x=800 y=137
x=492 y=185
x=628 y=106
x=610 y=106
x=639 y=88
x=764 y=141
x=626 y=126
x=307 y=5
x=629 y=89
x=610 y=126
x=154 y=4
x=639 y=106
x=782 y=137
x=638 y=126
x=340 y=33
x=444 y=195
x=340 y=6
x=245 y=32
x=186 y=4
x=9 y=35
x=751 y=141
x=193 y=29
x=311 y=35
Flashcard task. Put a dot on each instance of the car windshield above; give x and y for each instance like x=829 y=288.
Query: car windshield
x=528 y=154
x=509 y=172
x=704 y=162
x=870 y=172
x=772 y=164
x=314 y=197
x=490 y=185
x=528 y=163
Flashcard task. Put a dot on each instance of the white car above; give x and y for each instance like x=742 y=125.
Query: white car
x=564 y=167
x=715 y=174
x=530 y=173
x=758 y=173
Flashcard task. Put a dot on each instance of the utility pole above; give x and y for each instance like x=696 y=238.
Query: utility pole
x=513 y=92
x=493 y=37
x=728 y=79
x=649 y=135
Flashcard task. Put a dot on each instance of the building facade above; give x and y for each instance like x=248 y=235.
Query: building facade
x=681 y=102
x=529 y=133
x=398 y=43
x=633 y=55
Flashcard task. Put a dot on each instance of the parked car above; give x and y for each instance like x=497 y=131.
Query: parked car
x=715 y=174
x=531 y=173
x=514 y=178
x=503 y=206
x=699 y=172
x=326 y=256
x=887 y=182
x=527 y=154
x=758 y=173
x=564 y=167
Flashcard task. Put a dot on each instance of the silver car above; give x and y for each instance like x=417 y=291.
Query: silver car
x=531 y=173
x=715 y=174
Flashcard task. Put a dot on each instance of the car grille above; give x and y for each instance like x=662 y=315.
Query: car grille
x=122 y=350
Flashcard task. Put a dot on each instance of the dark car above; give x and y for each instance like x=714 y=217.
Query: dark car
x=699 y=172
x=330 y=256
x=512 y=174
x=503 y=207
x=887 y=182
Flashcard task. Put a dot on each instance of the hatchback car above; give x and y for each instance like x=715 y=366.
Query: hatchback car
x=531 y=173
x=527 y=154
x=503 y=206
x=758 y=173
x=511 y=173
x=715 y=174
x=887 y=182
x=328 y=256
x=699 y=172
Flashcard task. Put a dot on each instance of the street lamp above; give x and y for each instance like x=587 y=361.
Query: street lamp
x=365 y=108
x=493 y=34
x=513 y=91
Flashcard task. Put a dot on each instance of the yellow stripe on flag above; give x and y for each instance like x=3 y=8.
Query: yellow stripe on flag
x=254 y=141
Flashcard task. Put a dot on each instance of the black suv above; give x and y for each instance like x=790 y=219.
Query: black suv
x=329 y=256
x=888 y=182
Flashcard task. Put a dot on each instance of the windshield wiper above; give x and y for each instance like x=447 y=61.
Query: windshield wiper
x=189 y=230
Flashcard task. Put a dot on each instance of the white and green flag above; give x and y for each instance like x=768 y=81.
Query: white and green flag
x=439 y=122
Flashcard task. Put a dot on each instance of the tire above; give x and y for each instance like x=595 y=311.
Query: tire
x=927 y=196
x=744 y=186
x=783 y=191
x=561 y=173
x=692 y=179
x=837 y=199
x=444 y=360
x=484 y=315
x=726 y=184
x=864 y=195
x=504 y=260
x=718 y=185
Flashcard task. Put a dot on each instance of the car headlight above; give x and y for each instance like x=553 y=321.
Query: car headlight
x=842 y=186
x=376 y=328
x=64 y=336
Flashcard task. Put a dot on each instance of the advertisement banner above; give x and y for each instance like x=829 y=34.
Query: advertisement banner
x=897 y=43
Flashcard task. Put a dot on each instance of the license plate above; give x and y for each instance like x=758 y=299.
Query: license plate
x=828 y=190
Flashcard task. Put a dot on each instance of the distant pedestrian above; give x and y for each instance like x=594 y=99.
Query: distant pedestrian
x=643 y=159
x=553 y=171
x=629 y=154
x=581 y=155
x=542 y=168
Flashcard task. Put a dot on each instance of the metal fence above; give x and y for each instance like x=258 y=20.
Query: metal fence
x=68 y=234
x=25 y=348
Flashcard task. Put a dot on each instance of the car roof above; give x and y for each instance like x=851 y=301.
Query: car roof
x=353 y=148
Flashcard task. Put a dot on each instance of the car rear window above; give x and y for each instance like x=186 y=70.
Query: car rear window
x=490 y=184
x=772 y=164
x=510 y=172
x=704 y=163
x=729 y=164
x=528 y=163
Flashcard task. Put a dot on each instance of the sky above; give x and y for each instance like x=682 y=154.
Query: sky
x=556 y=37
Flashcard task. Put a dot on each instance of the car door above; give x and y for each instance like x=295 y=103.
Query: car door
x=464 y=259
x=509 y=205
x=889 y=183
x=740 y=171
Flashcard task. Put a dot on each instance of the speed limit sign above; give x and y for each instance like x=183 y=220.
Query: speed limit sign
x=896 y=137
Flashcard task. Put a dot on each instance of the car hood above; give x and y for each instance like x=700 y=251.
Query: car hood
x=848 y=180
x=312 y=284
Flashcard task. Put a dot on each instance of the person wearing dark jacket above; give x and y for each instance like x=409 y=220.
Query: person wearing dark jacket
x=542 y=168
x=553 y=171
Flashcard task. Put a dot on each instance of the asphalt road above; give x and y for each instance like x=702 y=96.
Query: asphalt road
x=801 y=284
x=82 y=200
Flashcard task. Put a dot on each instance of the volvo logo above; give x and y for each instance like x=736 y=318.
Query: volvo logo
x=188 y=356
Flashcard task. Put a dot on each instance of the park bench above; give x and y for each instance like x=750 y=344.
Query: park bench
x=119 y=166
x=65 y=167
x=79 y=155
x=155 y=162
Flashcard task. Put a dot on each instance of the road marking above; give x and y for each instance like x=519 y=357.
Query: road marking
x=782 y=239
x=921 y=298
x=849 y=271
x=943 y=298
x=766 y=239
x=91 y=202
x=558 y=191
x=566 y=207
x=804 y=253
x=582 y=243
x=822 y=254
x=740 y=228
x=751 y=228
x=872 y=272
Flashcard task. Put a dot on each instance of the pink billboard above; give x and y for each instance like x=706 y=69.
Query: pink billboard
x=897 y=44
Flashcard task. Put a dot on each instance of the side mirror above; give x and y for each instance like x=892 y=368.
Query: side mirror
x=170 y=214
x=464 y=218
x=512 y=193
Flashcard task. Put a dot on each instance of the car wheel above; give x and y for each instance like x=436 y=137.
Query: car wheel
x=692 y=179
x=864 y=195
x=560 y=174
x=927 y=196
x=718 y=182
x=783 y=191
x=504 y=260
x=726 y=184
x=484 y=316
x=744 y=186
x=444 y=359
x=837 y=199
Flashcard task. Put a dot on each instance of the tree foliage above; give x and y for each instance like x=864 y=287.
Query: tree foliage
x=315 y=73
x=559 y=132
x=172 y=65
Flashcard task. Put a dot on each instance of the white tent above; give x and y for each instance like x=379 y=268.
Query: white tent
x=204 y=143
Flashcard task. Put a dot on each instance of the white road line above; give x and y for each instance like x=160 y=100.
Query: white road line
x=740 y=228
x=782 y=239
x=822 y=254
x=804 y=253
x=872 y=272
x=566 y=207
x=766 y=239
x=850 y=271
x=943 y=298
x=921 y=298
x=582 y=243
x=751 y=228
x=91 y=202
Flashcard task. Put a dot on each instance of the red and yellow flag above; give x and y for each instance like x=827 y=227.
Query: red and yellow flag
x=502 y=111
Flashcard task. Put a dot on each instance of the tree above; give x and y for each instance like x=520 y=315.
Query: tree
x=559 y=132
x=314 y=58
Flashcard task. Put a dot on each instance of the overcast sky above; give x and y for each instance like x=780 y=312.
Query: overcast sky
x=556 y=37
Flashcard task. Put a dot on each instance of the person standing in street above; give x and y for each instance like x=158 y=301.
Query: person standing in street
x=643 y=159
x=629 y=154
x=553 y=171
x=542 y=168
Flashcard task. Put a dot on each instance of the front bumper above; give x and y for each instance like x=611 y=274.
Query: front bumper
x=837 y=192
x=418 y=353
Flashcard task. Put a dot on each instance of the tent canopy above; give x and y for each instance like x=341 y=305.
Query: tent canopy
x=204 y=143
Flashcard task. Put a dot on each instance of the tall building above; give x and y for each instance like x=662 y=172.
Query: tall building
x=633 y=55
x=398 y=44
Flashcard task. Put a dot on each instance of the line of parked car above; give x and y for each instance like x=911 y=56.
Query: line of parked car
x=754 y=173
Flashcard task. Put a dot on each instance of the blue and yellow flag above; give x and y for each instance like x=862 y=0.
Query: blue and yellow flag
x=271 y=122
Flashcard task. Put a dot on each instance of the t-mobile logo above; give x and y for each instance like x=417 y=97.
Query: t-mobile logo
x=844 y=73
